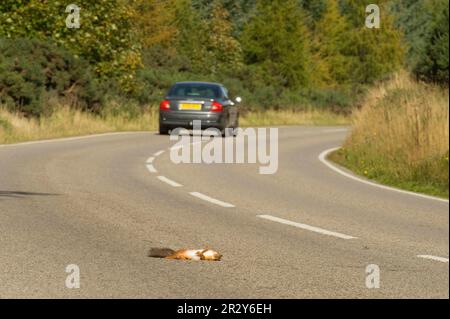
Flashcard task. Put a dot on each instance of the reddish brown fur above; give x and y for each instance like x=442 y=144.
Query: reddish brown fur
x=183 y=254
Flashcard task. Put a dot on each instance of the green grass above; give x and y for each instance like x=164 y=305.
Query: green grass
x=379 y=170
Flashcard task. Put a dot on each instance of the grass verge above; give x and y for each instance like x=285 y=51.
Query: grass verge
x=400 y=137
x=290 y=117
x=66 y=122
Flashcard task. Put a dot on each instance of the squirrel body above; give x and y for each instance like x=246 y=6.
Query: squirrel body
x=185 y=254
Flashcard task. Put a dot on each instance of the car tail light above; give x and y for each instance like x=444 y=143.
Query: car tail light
x=165 y=105
x=216 y=107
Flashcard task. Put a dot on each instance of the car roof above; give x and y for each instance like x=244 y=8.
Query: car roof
x=197 y=82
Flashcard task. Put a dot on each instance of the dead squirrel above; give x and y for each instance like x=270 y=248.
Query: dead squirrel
x=185 y=254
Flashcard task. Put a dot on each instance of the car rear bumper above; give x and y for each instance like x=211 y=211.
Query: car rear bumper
x=185 y=119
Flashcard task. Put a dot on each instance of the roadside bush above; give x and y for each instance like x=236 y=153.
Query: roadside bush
x=257 y=96
x=107 y=37
x=35 y=74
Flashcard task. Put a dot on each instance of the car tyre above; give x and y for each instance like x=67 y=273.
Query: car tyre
x=163 y=130
x=236 y=126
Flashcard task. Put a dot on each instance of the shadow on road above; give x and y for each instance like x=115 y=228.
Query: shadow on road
x=16 y=194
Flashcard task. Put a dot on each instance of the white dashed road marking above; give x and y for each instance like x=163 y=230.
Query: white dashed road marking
x=322 y=158
x=306 y=227
x=441 y=259
x=151 y=168
x=169 y=181
x=211 y=200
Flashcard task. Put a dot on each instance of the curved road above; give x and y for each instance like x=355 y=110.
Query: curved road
x=305 y=232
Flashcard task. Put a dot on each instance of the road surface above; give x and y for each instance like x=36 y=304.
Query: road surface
x=306 y=232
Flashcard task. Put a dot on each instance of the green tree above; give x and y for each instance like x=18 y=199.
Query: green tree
x=105 y=37
x=192 y=37
x=331 y=41
x=314 y=9
x=240 y=10
x=374 y=53
x=433 y=62
x=155 y=22
x=225 y=50
x=156 y=27
x=413 y=18
x=33 y=73
x=276 y=44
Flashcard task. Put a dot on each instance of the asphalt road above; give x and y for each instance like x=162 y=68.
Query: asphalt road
x=97 y=203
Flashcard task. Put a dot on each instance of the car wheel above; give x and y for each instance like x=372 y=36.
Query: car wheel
x=236 y=126
x=223 y=132
x=163 y=130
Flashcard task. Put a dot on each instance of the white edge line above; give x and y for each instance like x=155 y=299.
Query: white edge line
x=436 y=258
x=306 y=227
x=176 y=148
x=151 y=168
x=169 y=181
x=211 y=200
x=74 y=138
x=323 y=159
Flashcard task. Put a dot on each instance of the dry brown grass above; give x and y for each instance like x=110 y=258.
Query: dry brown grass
x=66 y=122
x=401 y=136
x=291 y=117
x=405 y=117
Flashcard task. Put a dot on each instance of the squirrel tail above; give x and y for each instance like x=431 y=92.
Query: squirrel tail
x=160 y=252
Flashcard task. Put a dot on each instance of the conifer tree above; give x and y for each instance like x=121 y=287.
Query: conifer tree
x=155 y=22
x=192 y=37
x=331 y=39
x=374 y=53
x=276 y=44
x=224 y=48
x=433 y=63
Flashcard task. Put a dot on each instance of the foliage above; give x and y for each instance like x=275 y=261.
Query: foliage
x=276 y=45
x=275 y=54
x=226 y=52
x=434 y=62
x=154 y=22
x=191 y=40
x=105 y=38
x=32 y=72
x=425 y=25
x=240 y=11
x=331 y=42
x=374 y=53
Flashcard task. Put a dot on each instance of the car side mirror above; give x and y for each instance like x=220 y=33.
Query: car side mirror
x=238 y=99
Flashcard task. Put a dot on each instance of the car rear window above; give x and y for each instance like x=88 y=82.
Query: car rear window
x=195 y=91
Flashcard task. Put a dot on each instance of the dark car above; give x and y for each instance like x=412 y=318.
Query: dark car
x=209 y=103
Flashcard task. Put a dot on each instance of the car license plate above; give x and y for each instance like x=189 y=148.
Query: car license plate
x=190 y=106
